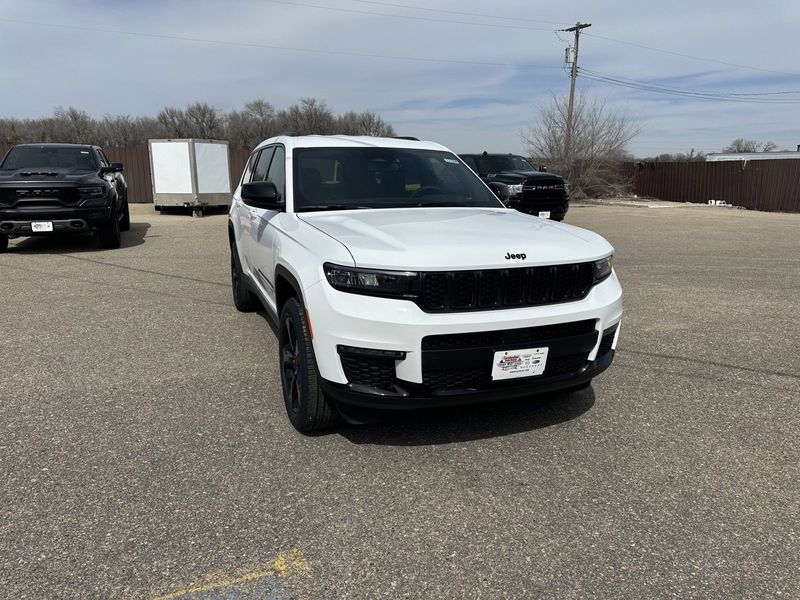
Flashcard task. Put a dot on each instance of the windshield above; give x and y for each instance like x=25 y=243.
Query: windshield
x=349 y=178
x=498 y=163
x=52 y=157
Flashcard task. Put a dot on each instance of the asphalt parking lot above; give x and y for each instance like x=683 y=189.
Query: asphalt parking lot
x=145 y=451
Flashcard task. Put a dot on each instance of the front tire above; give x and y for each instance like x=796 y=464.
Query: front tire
x=3 y=243
x=109 y=232
x=306 y=404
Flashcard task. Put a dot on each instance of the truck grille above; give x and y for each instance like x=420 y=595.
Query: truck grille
x=39 y=196
x=504 y=288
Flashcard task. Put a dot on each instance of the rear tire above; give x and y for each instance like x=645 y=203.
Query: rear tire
x=109 y=232
x=125 y=224
x=306 y=404
x=243 y=299
x=3 y=243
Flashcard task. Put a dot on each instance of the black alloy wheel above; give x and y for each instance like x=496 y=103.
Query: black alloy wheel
x=109 y=232
x=307 y=406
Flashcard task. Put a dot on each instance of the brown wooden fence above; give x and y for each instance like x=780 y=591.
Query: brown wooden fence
x=768 y=185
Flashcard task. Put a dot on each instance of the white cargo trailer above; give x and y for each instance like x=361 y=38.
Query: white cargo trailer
x=190 y=173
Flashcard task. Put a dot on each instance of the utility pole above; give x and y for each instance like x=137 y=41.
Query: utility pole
x=573 y=76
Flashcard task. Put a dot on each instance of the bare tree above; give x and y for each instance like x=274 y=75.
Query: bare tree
x=73 y=125
x=203 y=121
x=743 y=145
x=310 y=116
x=691 y=156
x=371 y=124
x=599 y=144
x=245 y=128
x=365 y=123
x=173 y=122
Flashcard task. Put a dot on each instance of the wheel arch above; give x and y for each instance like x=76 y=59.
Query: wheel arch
x=286 y=286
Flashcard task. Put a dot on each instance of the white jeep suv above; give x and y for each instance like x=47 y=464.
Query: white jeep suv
x=398 y=280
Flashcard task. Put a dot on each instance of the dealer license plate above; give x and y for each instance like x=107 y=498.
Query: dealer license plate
x=545 y=214
x=41 y=226
x=510 y=364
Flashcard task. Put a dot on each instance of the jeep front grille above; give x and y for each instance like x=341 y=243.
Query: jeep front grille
x=451 y=291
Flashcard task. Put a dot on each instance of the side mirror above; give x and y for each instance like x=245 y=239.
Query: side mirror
x=261 y=194
x=500 y=190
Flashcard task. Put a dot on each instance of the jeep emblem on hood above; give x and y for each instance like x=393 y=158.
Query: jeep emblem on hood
x=510 y=256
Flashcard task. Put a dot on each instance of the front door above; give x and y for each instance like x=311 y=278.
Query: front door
x=263 y=229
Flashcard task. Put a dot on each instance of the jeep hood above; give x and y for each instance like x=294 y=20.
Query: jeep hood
x=455 y=238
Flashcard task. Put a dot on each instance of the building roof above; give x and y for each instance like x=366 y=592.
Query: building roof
x=753 y=156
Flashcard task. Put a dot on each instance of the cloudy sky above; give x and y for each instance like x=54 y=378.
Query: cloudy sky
x=436 y=70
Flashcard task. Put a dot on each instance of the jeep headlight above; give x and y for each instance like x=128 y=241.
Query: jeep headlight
x=394 y=284
x=515 y=190
x=602 y=268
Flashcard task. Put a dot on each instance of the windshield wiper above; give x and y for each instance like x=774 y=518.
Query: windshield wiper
x=331 y=207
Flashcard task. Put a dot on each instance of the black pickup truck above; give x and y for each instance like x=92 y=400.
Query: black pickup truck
x=56 y=188
x=530 y=191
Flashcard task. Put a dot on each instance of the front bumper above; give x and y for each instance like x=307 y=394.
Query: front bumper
x=341 y=320
x=415 y=397
x=17 y=221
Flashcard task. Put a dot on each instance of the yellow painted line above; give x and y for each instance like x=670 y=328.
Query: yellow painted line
x=286 y=563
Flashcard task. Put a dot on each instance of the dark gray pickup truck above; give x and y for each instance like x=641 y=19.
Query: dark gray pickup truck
x=530 y=191
x=57 y=188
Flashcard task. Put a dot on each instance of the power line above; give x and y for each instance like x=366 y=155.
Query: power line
x=705 y=92
x=647 y=87
x=165 y=36
x=457 y=12
x=407 y=17
x=673 y=53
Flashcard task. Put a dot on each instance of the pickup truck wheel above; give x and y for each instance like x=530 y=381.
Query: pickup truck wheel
x=109 y=232
x=243 y=299
x=125 y=224
x=3 y=243
x=306 y=404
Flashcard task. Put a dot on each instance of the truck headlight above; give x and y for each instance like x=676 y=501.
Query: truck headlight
x=393 y=284
x=92 y=196
x=515 y=190
x=602 y=268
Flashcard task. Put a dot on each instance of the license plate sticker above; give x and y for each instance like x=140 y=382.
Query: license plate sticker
x=510 y=364
x=545 y=214
x=41 y=226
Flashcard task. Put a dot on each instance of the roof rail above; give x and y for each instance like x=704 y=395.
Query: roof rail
x=406 y=137
x=289 y=134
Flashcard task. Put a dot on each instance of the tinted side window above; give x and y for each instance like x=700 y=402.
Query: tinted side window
x=277 y=172
x=260 y=172
x=103 y=160
x=248 y=168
